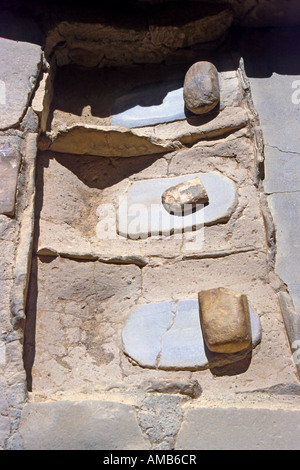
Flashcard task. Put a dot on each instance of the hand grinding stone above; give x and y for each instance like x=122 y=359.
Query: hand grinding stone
x=201 y=90
x=189 y=192
x=225 y=320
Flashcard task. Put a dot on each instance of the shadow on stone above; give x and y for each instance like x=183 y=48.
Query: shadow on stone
x=229 y=364
x=98 y=172
x=30 y=323
x=194 y=208
x=201 y=120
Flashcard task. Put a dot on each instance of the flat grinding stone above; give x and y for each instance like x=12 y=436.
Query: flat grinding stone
x=163 y=102
x=168 y=107
x=168 y=336
x=182 y=345
x=142 y=214
x=143 y=330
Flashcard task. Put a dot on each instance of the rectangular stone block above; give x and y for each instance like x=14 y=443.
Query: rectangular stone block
x=86 y=425
x=10 y=161
x=225 y=320
x=239 y=429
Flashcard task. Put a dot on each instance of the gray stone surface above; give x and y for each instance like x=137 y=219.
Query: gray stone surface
x=160 y=418
x=282 y=171
x=169 y=336
x=143 y=330
x=170 y=108
x=4 y=430
x=10 y=160
x=164 y=102
x=182 y=346
x=274 y=81
x=240 y=429
x=279 y=116
x=294 y=290
x=286 y=215
x=20 y=65
x=86 y=425
x=142 y=213
x=190 y=388
x=291 y=318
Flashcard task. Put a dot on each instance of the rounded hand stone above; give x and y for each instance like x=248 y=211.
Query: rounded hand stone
x=201 y=90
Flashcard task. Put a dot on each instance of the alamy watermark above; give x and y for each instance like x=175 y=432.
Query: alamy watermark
x=296 y=94
x=2 y=92
x=139 y=222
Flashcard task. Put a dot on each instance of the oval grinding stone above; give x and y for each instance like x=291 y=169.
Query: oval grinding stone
x=201 y=90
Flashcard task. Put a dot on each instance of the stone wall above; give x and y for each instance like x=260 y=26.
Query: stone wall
x=67 y=292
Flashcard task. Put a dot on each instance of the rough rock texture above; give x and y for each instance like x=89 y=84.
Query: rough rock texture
x=10 y=161
x=250 y=429
x=225 y=320
x=191 y=388
x=83 y=287
x=257 y=13
x=20 y=65
x=82 y=118
x=190 y=192
x=143 y=36
x=201 y=90
x=55 y=426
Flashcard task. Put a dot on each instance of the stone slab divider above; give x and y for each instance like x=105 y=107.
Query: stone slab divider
x=24 y=251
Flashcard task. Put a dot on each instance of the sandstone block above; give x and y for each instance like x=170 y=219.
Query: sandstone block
x=189 y=192
x=225 y=320
x=201 y=90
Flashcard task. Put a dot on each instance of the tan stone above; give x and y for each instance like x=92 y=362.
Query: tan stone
x=225 y=320
x=115 y=141
x=189 y=192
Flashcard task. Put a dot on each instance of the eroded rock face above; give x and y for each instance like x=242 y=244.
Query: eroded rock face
x=10 y=160
x=150 y=35
x=191 y=192
x=20 y=65
x=201 y=91
x=225 y=320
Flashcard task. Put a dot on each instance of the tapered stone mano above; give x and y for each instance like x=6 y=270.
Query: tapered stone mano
x=225 y=320
x=191 y=192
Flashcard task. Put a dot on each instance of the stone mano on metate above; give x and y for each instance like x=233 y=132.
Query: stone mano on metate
x=225 y=320
x=191 y=192
x=141 y=213
x=201 y=90
x=168 y=336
